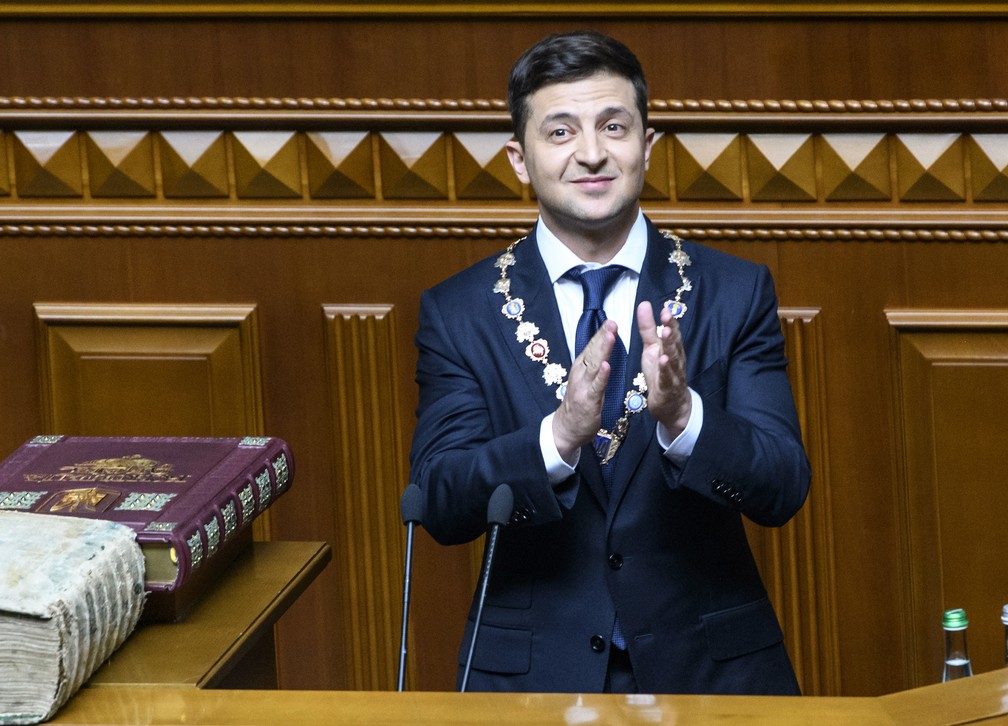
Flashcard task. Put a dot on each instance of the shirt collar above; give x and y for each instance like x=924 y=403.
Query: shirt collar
x=558 y=257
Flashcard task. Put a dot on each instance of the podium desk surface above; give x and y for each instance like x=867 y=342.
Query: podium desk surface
x=980 y=699
x=310 y=708
x=233 y=619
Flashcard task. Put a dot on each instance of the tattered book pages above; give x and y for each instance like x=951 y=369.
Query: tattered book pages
x=71 y=591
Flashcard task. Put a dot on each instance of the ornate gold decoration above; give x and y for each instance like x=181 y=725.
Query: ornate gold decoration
x=607 y=442
x=89 y=499
x=132 y=468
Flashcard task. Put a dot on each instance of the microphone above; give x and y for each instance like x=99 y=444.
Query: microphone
x=411 y=509
x=498 y=512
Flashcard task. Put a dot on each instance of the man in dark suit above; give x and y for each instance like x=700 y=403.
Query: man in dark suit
x=632 y=447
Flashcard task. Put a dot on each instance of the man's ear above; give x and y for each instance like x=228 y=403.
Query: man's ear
x=516 y=155
x=649 y=137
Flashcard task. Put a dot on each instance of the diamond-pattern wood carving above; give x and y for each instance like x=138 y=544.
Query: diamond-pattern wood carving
x=781 y=167
x=708 y=166
x=47 y=164
x=413 y=165
x=929 y=168
x=989 y=164
x=193 y=164
x=482 y=169
x=120 y=163
x=656 y=178
x=855 y=167
x=266 y=164
x=340 y=164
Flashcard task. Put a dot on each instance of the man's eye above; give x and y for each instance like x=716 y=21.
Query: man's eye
x=614 y=128
x=558 y=133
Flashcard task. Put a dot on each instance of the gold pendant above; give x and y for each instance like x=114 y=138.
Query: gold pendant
x=607 y=444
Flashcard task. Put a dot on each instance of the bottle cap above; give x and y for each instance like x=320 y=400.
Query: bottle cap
x=955 y=619
x=1004 y=615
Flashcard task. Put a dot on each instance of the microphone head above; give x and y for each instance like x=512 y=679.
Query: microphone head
x=411 y=505
x=501 y=505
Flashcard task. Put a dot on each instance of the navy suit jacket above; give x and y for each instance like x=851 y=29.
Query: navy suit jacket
x=666 y=548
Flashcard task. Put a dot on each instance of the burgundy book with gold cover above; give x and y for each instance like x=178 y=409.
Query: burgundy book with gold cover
x=191 y=501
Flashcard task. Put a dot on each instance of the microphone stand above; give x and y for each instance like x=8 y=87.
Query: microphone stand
x=498 y=513
x=411 y=509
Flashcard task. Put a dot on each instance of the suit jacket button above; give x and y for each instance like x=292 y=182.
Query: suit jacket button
x=597 y=643
x=615 y=560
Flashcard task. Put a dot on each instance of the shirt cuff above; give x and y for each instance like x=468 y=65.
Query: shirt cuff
x=557 y=470
x=680 y=448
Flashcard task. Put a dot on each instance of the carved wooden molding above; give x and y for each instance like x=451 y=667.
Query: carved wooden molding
x=158 y=370
x=271 y=103
x=948 y=372
x=791 y=170
x=895 y=234
x=490 y=8
x=367 y=447
x=796 y=561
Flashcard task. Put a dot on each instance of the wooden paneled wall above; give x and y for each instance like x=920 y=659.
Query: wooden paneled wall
x=222 y=225
x=259 y=273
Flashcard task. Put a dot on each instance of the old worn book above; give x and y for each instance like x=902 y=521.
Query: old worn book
x=72 y=591
x=190 y=501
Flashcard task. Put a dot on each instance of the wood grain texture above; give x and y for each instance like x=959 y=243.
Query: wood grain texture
x=363 y=369
x=299 y=162
x=796 y=561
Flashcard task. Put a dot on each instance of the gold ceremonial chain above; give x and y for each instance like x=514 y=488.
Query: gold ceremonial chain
x=635 y=401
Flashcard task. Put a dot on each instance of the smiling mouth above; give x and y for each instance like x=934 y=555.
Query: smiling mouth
x=594 y=182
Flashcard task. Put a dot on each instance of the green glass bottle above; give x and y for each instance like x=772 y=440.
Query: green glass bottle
x=957 y=661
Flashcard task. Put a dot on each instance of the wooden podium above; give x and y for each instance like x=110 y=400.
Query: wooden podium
x=970 y=700
x=212 y=668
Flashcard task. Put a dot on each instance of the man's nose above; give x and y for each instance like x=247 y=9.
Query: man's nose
x=591 y=151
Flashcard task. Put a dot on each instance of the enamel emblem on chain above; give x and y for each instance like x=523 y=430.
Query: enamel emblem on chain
x=606 y=442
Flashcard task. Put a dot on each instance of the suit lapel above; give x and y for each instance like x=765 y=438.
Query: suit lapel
x=658 y=283
x=530 y=282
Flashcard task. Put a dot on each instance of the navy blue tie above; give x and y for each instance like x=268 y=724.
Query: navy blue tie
x=596 y=285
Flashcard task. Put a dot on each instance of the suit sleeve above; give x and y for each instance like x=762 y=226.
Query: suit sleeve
x=470 y=434
x=749 y=454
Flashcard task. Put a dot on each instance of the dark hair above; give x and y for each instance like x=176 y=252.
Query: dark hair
x=570 y=57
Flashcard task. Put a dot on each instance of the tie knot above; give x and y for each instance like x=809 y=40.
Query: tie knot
x=596 y=283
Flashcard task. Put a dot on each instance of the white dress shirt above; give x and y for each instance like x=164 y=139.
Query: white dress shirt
x=619 y=306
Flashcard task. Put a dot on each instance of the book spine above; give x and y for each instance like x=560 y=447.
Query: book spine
x=241 y=498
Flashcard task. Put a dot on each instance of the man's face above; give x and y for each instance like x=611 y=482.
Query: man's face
x=585 y=154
